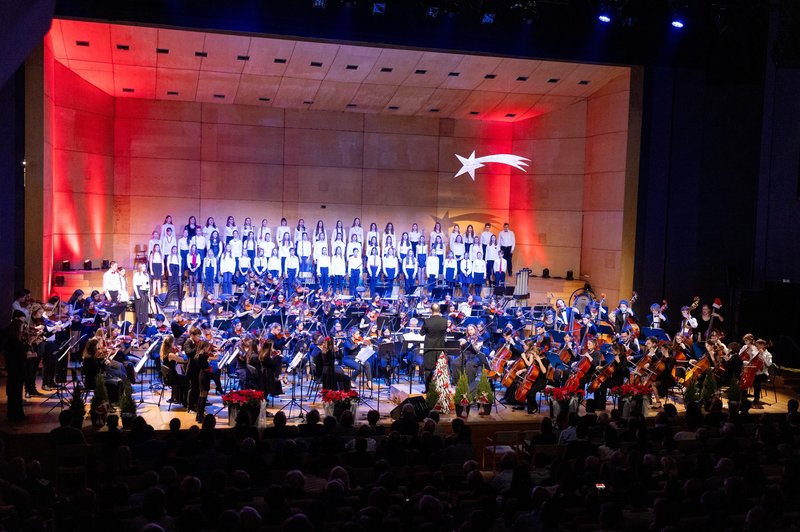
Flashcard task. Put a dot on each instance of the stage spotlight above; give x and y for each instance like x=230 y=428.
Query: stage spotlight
x=570 y=275
x=528 y=11
x=678 y=18
x=59 y=280
x=432 y=12
x=604 y=16
x=87 y=264
x=546 y=273
x=65 y=266
x=488 y=18
x=319 y=4
x=106 y=264
x=378 y=8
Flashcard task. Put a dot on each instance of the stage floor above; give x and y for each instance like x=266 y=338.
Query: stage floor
x=43 y=412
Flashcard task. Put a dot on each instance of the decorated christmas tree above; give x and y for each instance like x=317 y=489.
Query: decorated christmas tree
x=441 y=383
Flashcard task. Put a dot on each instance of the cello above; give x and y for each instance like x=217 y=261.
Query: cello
x=530 y=378
x=499 y=361
x=601 y=376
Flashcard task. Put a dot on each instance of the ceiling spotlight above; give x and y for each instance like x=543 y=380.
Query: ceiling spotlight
x=432 y=12
x=678 y=19
x=488 y=18
x=604 y=17
x=319 y=4
x=378 y=8
x=607 y=12
x=528 y=11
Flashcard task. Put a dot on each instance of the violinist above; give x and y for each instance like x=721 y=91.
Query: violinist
x=473 y=352
x=178 y=324
x=630 y=343
x=386 y=363
x=541 y=337
x=352 y=346
x=36 y=333
x=369 y=320
x=176 y=366
x=762 y=360
x=204 y=375
x=269 y=369
x=465 y=307
x=208 y=306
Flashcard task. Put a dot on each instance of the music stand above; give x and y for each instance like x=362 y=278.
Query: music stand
x=61 y=385
x=141 y=364
x=659 y=334
x=293 y=402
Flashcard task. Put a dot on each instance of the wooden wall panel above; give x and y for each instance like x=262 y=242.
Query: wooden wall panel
x=251 y=115
x=246 y=181
x=604 y=191
x=399 y=187
x=83 y=172
x=323 y=148
x=303 y=119
x=392 y=151
x=242 y=143
x=157 y=110
x=323 y=185
x=162 y=139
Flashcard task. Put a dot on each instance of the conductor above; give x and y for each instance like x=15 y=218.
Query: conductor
x=434 y=329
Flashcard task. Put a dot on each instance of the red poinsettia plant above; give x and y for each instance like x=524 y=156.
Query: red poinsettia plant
x=630 y=390
x=243 y=398
x=340 y=398
x=564 y=393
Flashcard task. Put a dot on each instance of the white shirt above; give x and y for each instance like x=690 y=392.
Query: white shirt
x=450 y=264
x=263 y=230
x=479 y=266
x=167 y=242
x=210 y=262
x=338 y=266
x=198 y=262
x=377 y=236
x=409 y=264
x=358 y=231
x=208 y=230
x=767 y=356
x=228 y=231
x=390 y=262
x=244 y=262
x=374 y=261
x=164 y=228
x=453 y=237
x=404 y=249
x=458 y=249
x=506 y=239
x=298 y=233
x=141 y=283
x=227 y=264
x=466 y=266
x=174 y=260
x=183 y=244
x=274 y=264
x=354 y=263
x=267 y=246
x=199 y=240
x=413 y=236
x=303 y=248
x=292 y=263
x=433 y=235
x=438 y=250
x=324 y=261
x=280 y=231
x=111 y=282
x=384 y=236
x=338 y=244
x=353 y=246
x=500 y=265
x=486 y=237
x=260 y=265
x=152 y=243
x=491 y=252
x=235 y=246
x=283 y=251
x=432 y=265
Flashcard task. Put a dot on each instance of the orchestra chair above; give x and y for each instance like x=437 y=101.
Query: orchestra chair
x=166 y=382
x=139 y=254
x=498 y=444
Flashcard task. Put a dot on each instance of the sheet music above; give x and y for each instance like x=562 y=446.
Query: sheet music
x=365 y=354
x=298 y=357
x=413 y=337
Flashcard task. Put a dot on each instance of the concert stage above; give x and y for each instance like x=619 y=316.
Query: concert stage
x=43 y=417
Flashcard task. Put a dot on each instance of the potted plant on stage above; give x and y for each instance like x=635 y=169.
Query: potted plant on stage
x=243 y=401
x=127 y=406
x=98 y=406
x=484 y=396
x=432 y=399
x=734 y=395
x=632 y=398
x=564 y=399
x=77 y=407
x=710 y=390
x=335 y=402
x=463 y=398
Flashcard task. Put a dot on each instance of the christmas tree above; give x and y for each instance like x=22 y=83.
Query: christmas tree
x=441 y=383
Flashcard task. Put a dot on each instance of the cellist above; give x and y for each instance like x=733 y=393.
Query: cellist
x=662 y=379
x=530 y=356
x=763 y=360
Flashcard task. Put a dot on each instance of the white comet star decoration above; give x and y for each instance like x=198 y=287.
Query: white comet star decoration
x=472 y=163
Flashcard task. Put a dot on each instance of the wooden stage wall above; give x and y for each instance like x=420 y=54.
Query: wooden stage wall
x=118 y=165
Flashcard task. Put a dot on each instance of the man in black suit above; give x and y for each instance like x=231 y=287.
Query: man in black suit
x=434 y=330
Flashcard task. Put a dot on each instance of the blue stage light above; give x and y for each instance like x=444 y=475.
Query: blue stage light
x=604 y=18
x=677 y=23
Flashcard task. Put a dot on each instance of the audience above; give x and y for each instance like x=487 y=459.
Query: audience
x=698 y=471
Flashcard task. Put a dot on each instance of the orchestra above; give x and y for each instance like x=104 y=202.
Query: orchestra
x=269 y=312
